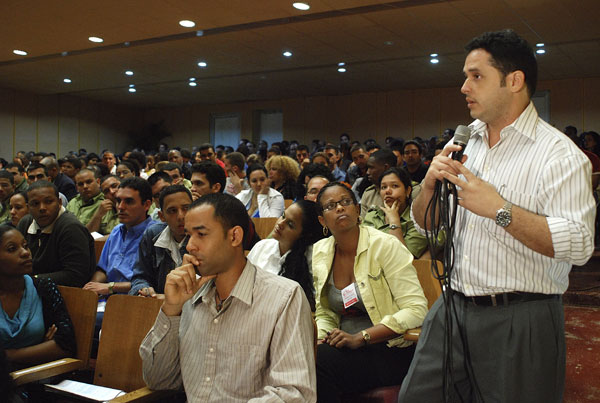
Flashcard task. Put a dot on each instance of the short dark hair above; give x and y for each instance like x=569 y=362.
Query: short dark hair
x=256 y=167
x=139 y=157
x=105 y=177
x=213 y=172
x=397 y=145
x=171 y=166
x=93 y=171
x=169 y=190
x=509 y=52
x=42 y=184
x=400 y=173
x=132 y=166
x=414 y=143
x=332 y=147
x=228 y=210
x=206 y=146
x=7 y=175
x=139 y=184
x=37 y=165
x=185 y=153
x=236 y=159
x=15 y=165
x=302 y=147
x=76 y=162
x=92 y=156
x=385 y=156
x=158 y=175
x=357 y=147
x=330 y=185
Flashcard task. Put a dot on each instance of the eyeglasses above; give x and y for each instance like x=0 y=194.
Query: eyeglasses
x=333 y=204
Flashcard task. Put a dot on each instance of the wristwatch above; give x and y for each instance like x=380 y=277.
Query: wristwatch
x=504 y=215
x=366 y=336
x=393 y=226
x=110 y=287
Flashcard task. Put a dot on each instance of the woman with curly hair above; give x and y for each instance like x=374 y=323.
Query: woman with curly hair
x=289 y=251
x=283 y=173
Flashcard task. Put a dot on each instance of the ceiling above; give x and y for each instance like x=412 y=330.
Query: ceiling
x=385 y=46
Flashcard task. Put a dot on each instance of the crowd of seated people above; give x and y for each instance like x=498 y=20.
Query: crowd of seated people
x=349 y=206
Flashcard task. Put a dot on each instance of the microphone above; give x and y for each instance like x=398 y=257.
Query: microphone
x=461 y=138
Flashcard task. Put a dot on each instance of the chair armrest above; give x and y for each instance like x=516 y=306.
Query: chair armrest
x=144 y=394
x=46 y=370
x=412 y=334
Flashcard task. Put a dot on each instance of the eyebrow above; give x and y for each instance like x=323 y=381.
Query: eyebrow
x=200 y=227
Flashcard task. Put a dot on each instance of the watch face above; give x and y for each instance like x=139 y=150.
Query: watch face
x=503 y=218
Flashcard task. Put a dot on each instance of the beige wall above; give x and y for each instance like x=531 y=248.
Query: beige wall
x=404 y=113
x=59 y=124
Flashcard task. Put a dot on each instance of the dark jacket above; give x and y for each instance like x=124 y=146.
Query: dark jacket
x=65 y=186
x=67 y=255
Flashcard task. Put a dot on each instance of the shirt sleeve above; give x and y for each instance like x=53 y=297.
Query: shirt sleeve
x=143 y=268
x=292 y=344
x=75 y=267
x=270 y=206
x=160 y=354
x=569 y=206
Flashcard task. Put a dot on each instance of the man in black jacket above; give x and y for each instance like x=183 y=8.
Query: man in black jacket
x=62 y=248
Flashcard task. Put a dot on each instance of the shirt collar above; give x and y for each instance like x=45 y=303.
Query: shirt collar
x=525 y=124
x=166 y=241
x=136 y=229
x=242 y=290
x=92 y=201
x=34 y=227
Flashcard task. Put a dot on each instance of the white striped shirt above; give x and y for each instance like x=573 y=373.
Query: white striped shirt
x=538 y=168
x=259 y=347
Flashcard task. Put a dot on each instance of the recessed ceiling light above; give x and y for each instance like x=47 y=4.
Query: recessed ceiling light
x=202 y=64
x=20 y=52
x=132 y=89
x=434 y=55
x=287 y=53
x=129 y=73
x=192 y=84
x=434 y=61
x=67 y=80
x=539 y=45
x=192 y=78
x=342 y=69
x=341 y=64
x=187 y=23
x=388 y=43
x=131 y=85
x=540 y=51
x=301 y=6
x=96 y=39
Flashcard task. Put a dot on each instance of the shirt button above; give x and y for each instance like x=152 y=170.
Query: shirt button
x=216 y=321
x=471 y=226
x=211 y=349
x=486 y=168
x=166 y=326
x=207 y=379
x=466 y=257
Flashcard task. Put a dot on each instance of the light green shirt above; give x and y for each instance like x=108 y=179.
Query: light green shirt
x=109 y=222
x=415 y=242
x=84 y=211
x=386 y=278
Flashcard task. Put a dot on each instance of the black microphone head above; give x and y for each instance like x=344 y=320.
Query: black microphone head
x=462 y=135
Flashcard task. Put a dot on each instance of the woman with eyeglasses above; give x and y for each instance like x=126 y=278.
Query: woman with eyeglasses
x=34 y=324
x=367 y=295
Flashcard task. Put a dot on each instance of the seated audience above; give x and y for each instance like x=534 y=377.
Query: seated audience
x=413 y=156
x=7 y=188
x=205 y=325
x=162 y=245
x=174 y=171
x=379 y=162
x=237 y=181
x=19 y=175
x=367 y=295
x=158 y=181
x=106 y=217
x=261 y=200
x=314 y=186
x=63 y=249
x=307 y=173
x=88 y=201
x=127 y=169
x=38 y=172
x=394 y=216
x=18 y=207
x=283 y=173
x=115 y=267
x=70 y=167
x=35 y=326
x=63 y=183
x=207 y=177
x=333 y=153
x=289 y=251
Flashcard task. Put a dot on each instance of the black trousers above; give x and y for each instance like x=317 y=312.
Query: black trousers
x=345 y=371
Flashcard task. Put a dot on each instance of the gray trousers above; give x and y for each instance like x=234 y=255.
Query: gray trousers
x=517 y=353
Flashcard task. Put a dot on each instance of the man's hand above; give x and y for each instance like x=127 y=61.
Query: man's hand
x=265 y=188
x=105 y=206
x=98 y=288
x=338 y=338
x=147 y=292
x=195 y=196
x=236 y=181
x=441 y=163
x=50 y=333
x=181 y=285
x=475 y=194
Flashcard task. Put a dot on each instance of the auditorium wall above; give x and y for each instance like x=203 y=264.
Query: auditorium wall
x=60 y=123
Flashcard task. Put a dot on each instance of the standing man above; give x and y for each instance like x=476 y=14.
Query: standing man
x=413 y=156
x=525 y=215
x=115 y=266
x=255 y=327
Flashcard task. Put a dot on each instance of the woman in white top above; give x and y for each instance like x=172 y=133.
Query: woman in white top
x=261 y=200
x=289 y=252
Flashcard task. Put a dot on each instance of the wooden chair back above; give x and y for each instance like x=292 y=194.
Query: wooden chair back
x=287 y=202
x=127 y=320
x=264 y=226
x=431 y=286
x=99 y=245
x=82 y=306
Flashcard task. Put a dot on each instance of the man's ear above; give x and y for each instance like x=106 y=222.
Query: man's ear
x=216 y=188
x=516 y=81
x=161 y=216
x=147 y=205
x=236 y=236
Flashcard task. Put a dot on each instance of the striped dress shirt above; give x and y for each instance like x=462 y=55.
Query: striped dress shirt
x=538 y=168
x=258 y=348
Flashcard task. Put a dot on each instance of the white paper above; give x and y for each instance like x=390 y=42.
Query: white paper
x=89 y=391
x=96 y=235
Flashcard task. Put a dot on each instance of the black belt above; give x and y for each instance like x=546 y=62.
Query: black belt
x=506 y=298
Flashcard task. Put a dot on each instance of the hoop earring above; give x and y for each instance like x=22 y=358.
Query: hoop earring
x=325 y=231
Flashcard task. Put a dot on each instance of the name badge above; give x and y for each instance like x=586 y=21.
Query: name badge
x=349 y=296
